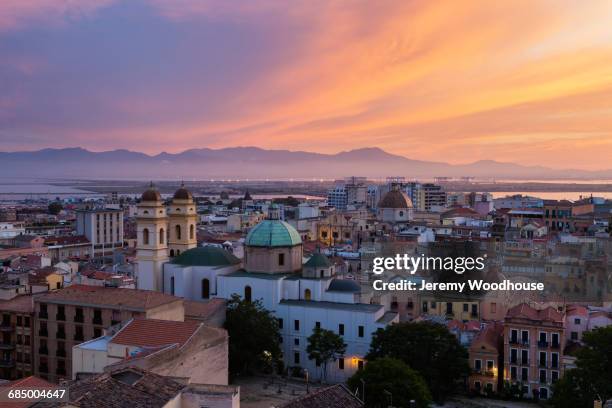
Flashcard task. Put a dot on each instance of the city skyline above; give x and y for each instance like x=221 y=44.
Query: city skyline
x=441 y=82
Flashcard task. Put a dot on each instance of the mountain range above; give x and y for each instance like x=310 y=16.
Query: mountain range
x=257 y=163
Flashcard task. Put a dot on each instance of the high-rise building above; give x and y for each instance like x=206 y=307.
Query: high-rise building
x=352 y=191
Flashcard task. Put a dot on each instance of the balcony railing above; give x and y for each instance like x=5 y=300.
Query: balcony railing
x=555 y=345
x=542 y=344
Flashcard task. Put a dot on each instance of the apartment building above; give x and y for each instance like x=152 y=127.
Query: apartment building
x=80 y=313
x=533 y=348
x=486 y=360
x=103 y=227
x=16 y=343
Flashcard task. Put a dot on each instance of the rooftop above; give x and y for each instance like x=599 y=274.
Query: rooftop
x=350 y=307
x=19 y=304
x=273 y=233
x=134 y=299
x=155 y=333
x=524 y=311
x=395 y=199
x=206 y=256
x=334 y=396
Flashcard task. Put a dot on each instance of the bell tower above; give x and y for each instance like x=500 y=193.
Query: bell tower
x=182 y=222
x=152 y=240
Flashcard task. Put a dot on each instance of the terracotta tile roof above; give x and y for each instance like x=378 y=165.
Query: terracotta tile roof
x=577 y=310
x=135 y=299
x=67 y=240
x=204 y=310
x=39 y=276
x=27 y=382
x=490 y=335
x=19 y=304
x=524 y=311
x=99 y=275
x=127 y=387
x=155 y=333
x=336 y=396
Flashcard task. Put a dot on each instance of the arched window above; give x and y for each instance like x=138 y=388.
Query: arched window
x=401 y=213
x=161 y=236
x=205 y=288
x=178 y=231
x=191 y=231
x=247 y=293
x=307 y=294
x=145 y=236
x=172 y=285
x=171 y=253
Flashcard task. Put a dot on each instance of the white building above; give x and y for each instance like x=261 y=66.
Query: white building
x=103 y=228
x=301 y=295
x=11 y=229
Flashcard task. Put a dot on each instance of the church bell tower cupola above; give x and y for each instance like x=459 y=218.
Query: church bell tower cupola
x=151 y=242
x=182 y=222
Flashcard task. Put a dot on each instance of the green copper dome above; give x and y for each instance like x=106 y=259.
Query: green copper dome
x=273 y=233
x=206 y=256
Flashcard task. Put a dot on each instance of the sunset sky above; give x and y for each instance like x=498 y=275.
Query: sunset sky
x=457 y=81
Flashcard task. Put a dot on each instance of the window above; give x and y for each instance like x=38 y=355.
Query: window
x=489 y=365
x=543 y=376
x=145 y=236
x=477 y=365
x=281 y=259
x=307 y=294
x=280 y=323
x=493 y=307
x=524 y=357
x=513 y=373
x=524 y=374
x=205 y=288
x=574 y=336
x=513 y=356
x=360 y=364
x=191 y=231
x=177 y=232
x=525 y=337
x=466 y=307
x=318 y=325
x=554 y=339
x=474 y=310
x=513 y=336
x=341 y=364
x=247 y=293
x=296 y=341
x=554 y=376
x=341 y=329
x=576 y=321
x=172 y=285
x=296 y=358
x=97 y=332
x=360 y=331
x=161 y=235
x=296 y=325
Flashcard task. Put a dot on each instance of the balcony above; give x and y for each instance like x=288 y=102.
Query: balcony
x=97 y=320
x=514 y=360
x=542 y=363
x=542 y=344
x=6 y=327
x=554 y=364
x=514 y=341
x=555 y=345
x=6 y=346
x=525 y=342
x=79 y=318
x=43 y=332
x=524 y=362
x=43 y=350
x=7 y=363
x=489 y=373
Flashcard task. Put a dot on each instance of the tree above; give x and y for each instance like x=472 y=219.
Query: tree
x=254 y=339
x=428 y=348
x=288 y=201
x=55 y=208
x=592 y=377
x=325 y=346
x=389 y=381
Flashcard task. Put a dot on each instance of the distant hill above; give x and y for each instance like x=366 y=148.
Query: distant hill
x=255 y=163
